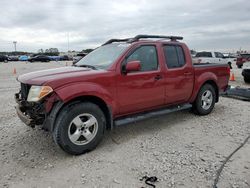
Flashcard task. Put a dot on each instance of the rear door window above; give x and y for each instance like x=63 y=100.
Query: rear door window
x=174 y=56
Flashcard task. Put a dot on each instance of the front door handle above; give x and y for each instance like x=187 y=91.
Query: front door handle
x=158 y=77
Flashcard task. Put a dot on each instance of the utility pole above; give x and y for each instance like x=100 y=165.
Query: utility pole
x=68 y=42
x=14 y=42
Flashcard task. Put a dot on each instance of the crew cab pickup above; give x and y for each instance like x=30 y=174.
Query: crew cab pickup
x=211 y=57
x=122 y=81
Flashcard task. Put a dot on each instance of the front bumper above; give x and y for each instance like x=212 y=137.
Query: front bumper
x=30 y=113
x=26 y=119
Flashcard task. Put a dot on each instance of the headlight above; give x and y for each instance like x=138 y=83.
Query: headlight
x=38 y=92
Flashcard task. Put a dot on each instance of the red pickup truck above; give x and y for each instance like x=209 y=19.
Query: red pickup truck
x=123 y=80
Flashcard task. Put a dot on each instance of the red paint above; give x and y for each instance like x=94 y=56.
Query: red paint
x=133 y=66
x=134 y=91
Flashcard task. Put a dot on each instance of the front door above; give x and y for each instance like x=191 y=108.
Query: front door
x=144 y=89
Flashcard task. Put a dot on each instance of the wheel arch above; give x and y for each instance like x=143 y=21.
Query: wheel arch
x=59 y=106
x=213 y=83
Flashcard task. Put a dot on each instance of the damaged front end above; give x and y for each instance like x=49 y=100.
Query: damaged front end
x=31 y=113
x=36 y=110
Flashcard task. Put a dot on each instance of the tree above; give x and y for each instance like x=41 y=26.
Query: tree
x=52 y=51
x=40 y=51
x=87 y=50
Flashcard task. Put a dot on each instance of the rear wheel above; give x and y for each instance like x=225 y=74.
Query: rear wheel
x=247 y=79
x=205 y=100
x=79 y=128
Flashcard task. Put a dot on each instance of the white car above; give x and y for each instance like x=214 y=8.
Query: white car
x=211 y=57
x=231 y=58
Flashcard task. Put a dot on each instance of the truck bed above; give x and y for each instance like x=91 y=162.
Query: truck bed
x=219 y=73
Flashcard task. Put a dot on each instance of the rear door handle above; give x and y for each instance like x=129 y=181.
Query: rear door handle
x=158 y=77
x=187 y=73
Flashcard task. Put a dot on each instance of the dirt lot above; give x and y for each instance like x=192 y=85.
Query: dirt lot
x=181 y=149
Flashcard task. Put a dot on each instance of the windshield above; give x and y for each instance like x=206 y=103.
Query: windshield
x=103 y=56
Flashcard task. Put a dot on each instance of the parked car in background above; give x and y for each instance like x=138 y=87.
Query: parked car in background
x=23 y=58
x=242 y=59
x=41 y=58
x=64 y=58
x=231 y=58
x=78 y=57
x=13 y=58
x=124 y=80
x=3 y=58
x=59 y=58
x=54 y=58
x=246 y=71
x=211 y=57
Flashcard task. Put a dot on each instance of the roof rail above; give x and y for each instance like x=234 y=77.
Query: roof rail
x=174 y=38
x=138 y=37
x=116 y=40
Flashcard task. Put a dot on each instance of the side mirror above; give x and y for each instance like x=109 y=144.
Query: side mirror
x=133 y=66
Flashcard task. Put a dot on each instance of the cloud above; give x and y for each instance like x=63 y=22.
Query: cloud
x=206 y=24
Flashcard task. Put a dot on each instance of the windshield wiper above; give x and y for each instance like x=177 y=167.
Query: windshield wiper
x=88 y=66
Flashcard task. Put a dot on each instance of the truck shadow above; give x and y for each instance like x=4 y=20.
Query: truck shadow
x=38 y=146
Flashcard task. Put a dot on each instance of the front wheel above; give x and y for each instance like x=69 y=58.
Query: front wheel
x=79 y=128
x=205 y=100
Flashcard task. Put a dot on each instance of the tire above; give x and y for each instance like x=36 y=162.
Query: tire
x=201 y=107
x=247 y=79
x=239 y=66
x=70 y=122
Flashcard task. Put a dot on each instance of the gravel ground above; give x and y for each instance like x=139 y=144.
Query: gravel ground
x=181 y=149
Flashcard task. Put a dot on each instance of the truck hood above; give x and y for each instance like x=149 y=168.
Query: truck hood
x=59 y=75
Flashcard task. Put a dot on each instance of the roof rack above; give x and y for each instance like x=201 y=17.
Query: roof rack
x=174 y=38
x=116 y=40
x=138 y=37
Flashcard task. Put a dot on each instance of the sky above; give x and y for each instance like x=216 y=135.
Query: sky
x=205 y=25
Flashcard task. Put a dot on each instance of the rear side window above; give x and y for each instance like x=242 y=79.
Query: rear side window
x=218 y=55
x=147 y=55
x=204 y=54
x=174 y=56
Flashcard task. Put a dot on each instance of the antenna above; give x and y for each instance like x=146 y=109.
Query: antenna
x=68 y=41
x=15 y=42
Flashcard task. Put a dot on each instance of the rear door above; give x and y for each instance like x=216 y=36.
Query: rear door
x=144 y=89
x=179 y=76
x=219 y=58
